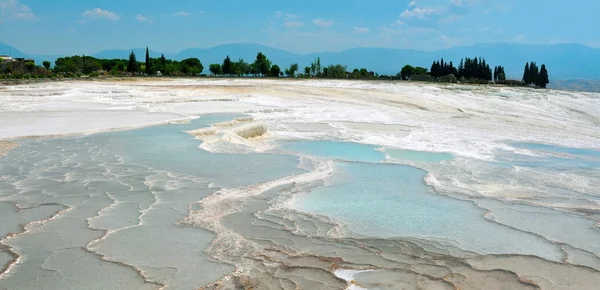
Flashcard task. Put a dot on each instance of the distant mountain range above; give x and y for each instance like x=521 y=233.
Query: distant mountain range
x=564 y=61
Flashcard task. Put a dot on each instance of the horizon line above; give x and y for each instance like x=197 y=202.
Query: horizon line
x=304 y=54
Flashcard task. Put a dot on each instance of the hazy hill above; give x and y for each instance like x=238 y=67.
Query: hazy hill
x=564 y=61
x=140 y=53
x=247 y=51
x=6 y=49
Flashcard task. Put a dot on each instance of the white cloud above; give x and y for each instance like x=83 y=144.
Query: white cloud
x=98 y=14
x=142 y=18
x=322 y=22
x=412 y=3
x=278 y=14
x=293 y=24
x=13 y=10
x=181 y=14
x=418 y=12
x=361 y=29
x=450 y=19
x=399 y=22
x=465 y=2
x=71 y=30
x=291 y=16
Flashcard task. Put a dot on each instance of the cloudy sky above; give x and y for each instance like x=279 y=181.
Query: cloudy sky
x=80 y=26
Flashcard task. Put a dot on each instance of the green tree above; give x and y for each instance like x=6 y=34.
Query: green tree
x=227 y=66
x=406 y=72
x=337 y=71
x=30 y=66
x=495 y=73
x=215 y=69
x=543 y=80
x=173 y=68
x=318 y=67
x=263 y=64
x=292 y=70
x=254 y=69
x=307 y=71
x=121 y=66
x=315 y=67
x=526 y=75
x=420 y=71
x=191 y=66
x=90 y=65
x=243 y=68
x=46 y=64
x=275 y=70
x=364 y=73
x=163 y=62
x=499 y=74
x=132 y=63
x=436 y=69
x=534 y=73
x=148 y=69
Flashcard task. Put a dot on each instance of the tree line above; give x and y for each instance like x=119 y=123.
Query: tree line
x=534 y=76
x=469 y=70
x=474 y=70
x=261 y=66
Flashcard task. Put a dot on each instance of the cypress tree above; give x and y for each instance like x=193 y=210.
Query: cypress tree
x=434 y=69
x=461 y=69
x=163 y=63
x=501 y=73
x=452 y=70
x=468 y=68
x=533 y=73
x=495 y=73
x=484 y=70
x=132 y=63
x=543 y=77
x=526 y=74
x=227 y=66
x=148 y=69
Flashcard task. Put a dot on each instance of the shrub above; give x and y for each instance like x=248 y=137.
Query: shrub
x=449 y=79
x=513 y=83
x=422 y=78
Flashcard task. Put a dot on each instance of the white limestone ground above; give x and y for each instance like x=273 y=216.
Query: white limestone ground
x=465 y=120
x=472 y=122
x=469 y=121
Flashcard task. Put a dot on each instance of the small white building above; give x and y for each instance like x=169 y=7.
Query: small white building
x=5 y=58
x=158 y=73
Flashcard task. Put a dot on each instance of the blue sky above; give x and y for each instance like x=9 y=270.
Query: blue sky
x=79 y=26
